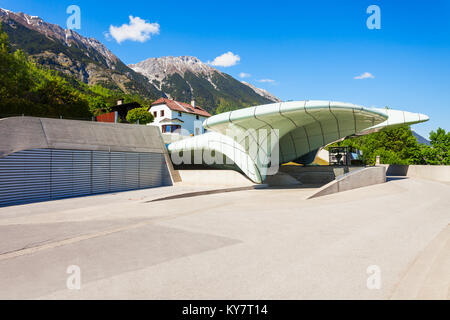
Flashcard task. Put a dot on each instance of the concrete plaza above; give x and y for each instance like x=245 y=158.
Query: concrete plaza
x=248 y=244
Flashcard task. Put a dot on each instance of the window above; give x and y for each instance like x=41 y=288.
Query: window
x=155 y=114
x=162 y=113
x=179 y=114
x=197 y=117
x=167 y=128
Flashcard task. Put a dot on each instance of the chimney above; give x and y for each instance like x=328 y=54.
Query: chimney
x=119 y=102
x=193 y=103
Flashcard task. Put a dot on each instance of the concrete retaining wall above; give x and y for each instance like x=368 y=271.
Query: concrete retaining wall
x=356 y=179
x=316 y=175
x=25 y=133
x=44 y=159
x=436 y=173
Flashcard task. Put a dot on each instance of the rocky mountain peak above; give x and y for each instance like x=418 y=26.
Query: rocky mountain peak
x=160 y=68
x=66 y=36
x=264 y=93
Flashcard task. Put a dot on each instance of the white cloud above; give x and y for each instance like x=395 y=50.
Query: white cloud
x=244 y=75
x=365 y=75
x=138 y=30
x=266 y=81
x=226 y=60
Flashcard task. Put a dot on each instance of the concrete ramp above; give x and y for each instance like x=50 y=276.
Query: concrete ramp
x=315 y=176
x=356 y=179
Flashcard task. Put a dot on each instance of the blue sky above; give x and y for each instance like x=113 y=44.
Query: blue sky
x=310 y=49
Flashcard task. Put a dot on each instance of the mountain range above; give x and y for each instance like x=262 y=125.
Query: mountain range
x=64 y=50
x=185 y=78
x=421 y=139
x=88 y=60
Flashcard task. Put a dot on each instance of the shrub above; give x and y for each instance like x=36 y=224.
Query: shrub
x=140 y=114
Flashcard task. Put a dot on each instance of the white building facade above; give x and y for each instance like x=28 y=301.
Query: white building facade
x=171 y=115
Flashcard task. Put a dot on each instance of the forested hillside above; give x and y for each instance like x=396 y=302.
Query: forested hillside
x=81 y=58
x=30 y=89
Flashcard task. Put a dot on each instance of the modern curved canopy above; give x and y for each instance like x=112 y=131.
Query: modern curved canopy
x=296 y=128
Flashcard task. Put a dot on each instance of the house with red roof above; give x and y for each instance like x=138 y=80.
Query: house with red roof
x=171 y=115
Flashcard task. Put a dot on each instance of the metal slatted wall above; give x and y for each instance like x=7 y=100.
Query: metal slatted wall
x=47 y=174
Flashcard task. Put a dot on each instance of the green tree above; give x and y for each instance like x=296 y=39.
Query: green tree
x=225 y=106
x=31 y=90
x=439 y=151
x=140 y=114
x=399 y=146
x=394 y=146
